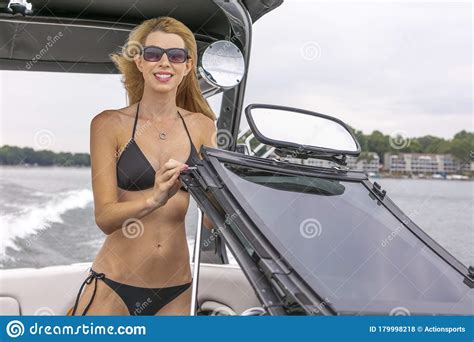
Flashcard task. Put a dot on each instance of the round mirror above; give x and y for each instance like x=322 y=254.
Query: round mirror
x=222 y=64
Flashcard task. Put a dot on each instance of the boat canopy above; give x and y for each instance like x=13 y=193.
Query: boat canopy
x=78 y=36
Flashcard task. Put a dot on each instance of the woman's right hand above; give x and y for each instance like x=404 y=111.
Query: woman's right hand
x=167 y=182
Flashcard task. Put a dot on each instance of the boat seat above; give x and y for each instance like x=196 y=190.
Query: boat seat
x=53 y=290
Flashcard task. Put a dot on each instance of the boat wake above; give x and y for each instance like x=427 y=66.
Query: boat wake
x=23 y=221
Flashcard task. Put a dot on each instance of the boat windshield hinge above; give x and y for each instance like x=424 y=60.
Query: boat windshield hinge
x=199 y=176
x=469 y=279
x=342 y=168
x=378 y=190
x=271 y=266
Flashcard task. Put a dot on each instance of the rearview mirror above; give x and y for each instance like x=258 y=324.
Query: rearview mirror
x=300 y=132
x=222 y=64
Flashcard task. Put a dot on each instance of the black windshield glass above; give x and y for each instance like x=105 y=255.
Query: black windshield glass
x=346 y=247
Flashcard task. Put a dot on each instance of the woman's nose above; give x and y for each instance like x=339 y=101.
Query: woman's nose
x=164 y=59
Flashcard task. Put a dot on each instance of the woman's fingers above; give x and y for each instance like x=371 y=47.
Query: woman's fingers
x=171 y=164
x=174 y=179
x=168 y=174
x=166 y=180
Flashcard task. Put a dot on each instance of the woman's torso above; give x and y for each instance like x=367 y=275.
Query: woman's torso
x=151 y=251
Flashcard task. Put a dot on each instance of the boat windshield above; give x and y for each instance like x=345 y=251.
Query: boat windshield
x=351 y=250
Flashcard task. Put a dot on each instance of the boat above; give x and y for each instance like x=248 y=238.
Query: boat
x=308 y=240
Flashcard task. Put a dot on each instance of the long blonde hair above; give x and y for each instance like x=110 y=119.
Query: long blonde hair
x=188 y=95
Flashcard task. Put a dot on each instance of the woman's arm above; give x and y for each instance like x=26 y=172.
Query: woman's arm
x=110 y=214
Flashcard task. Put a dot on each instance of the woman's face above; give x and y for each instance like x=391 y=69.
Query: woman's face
x=151 y=70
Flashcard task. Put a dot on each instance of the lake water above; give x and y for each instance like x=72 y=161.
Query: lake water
x=47 y=215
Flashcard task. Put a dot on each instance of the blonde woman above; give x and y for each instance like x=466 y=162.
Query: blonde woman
x=137 y=153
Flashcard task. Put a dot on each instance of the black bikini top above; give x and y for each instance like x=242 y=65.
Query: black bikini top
x=134 y=171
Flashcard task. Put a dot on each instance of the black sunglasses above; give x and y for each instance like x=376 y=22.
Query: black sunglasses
x=154 y=54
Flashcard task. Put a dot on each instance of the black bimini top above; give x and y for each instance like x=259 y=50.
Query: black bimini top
x=134 y=171
x=79 y=36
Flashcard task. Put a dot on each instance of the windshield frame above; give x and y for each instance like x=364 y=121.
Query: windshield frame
x=226 y=188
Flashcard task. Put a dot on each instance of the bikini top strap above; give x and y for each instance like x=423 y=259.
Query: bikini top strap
x=189 y=136
x=136 y=119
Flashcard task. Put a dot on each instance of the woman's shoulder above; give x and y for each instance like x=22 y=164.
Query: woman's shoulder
x=196 y=118
x=202 y=126
x=113 y=117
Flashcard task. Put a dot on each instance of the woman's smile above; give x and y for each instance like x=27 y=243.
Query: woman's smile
x=163 y=76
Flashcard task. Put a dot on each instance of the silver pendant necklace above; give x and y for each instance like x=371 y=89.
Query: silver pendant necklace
x=162 y=135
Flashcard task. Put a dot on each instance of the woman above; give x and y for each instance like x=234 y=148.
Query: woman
x=143 y=266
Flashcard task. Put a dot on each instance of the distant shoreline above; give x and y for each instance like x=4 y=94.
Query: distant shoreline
x=427 y=177
x=378 y=176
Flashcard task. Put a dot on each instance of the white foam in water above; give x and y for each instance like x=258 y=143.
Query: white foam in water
x=32 y=219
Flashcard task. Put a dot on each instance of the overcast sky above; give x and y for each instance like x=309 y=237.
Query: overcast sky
x=403 y=66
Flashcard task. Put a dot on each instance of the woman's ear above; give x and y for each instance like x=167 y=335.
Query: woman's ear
x=189 y=66
x=138 y=62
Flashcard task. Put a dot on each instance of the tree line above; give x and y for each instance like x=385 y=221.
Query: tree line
x=13 y=155
x=461 y=146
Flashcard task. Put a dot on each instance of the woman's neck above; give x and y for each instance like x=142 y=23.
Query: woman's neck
x=158 y=105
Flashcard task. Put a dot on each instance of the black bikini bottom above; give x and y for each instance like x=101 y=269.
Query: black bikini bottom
x=140 y=301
